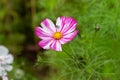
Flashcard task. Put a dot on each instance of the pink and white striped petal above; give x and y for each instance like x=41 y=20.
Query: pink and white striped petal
x=45 y=44
x=48 y=25
x=60 y=23
x=41 y=33
x=68 y=37
x=69 y=26
x=56 y=45
x=66 y=25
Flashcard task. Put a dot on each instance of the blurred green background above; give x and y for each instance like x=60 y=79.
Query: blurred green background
x=92 y=55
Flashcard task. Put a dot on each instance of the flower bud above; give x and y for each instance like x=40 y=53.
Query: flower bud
x=97 y=28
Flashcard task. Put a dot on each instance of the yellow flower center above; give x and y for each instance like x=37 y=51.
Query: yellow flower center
x=57 y=35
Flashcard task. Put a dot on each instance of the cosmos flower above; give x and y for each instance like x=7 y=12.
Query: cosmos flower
x=54 y=35
x=6 y=60
x=4 y=78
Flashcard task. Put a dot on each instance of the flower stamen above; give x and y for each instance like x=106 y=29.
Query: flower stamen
x=57 y=35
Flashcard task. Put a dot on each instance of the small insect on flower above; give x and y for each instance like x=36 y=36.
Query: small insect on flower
x=6 y=60
x=54 y=35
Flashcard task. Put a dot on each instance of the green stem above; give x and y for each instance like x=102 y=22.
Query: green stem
x=93 y=39
x=72 y=57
